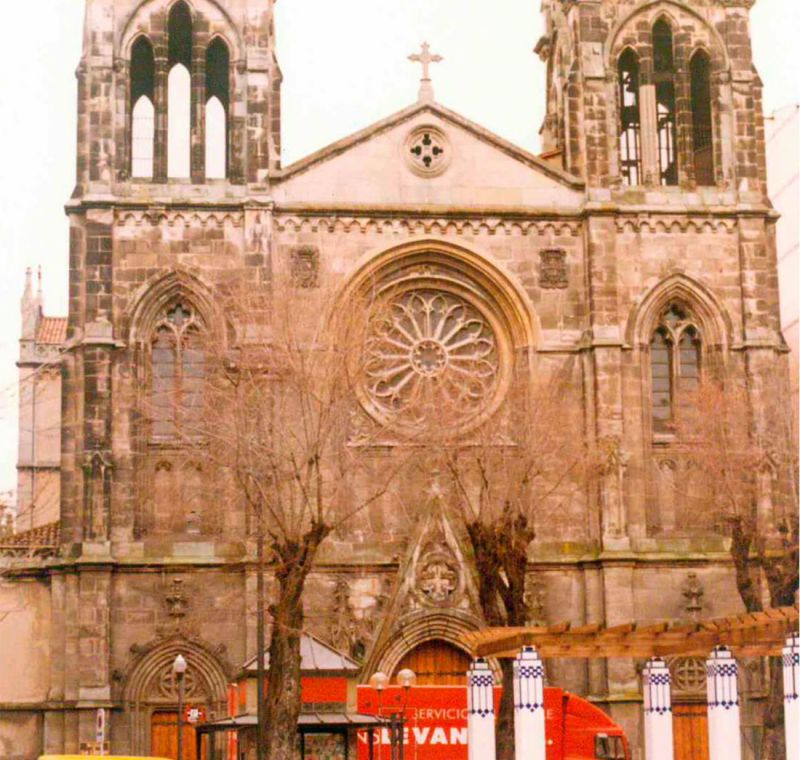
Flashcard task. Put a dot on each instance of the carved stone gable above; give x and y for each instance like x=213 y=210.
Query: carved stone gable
x=438 y=578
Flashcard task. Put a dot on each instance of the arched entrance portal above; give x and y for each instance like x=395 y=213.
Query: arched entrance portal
x=437 y=663
x=151 y=696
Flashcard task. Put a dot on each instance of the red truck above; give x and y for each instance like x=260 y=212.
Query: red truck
x=436 y=724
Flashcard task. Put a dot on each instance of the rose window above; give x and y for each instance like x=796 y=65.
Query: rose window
x=432 y=351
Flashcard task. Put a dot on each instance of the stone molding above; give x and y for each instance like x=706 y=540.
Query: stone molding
x=171 y=218
x=392 y=224
x=676 y=225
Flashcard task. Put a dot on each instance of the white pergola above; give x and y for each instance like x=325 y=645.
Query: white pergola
x=771 y=632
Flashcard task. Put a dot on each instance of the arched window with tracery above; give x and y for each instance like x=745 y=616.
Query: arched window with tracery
x=179 y=91
x=217 y=101
x=630 y=121
x=177 y=372
x=675 y=361
x=702 y=137
x=664 y=80
x=142 y=94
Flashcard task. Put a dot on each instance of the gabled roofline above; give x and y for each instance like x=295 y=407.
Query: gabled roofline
x=483 y=134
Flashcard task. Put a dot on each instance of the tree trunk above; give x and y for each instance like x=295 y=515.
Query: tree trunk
x=283 y=685
x=504 y=740
x=501 y=558
x=773 y=744
x=284 y=696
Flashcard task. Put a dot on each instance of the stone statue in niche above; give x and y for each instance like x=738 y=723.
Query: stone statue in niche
x=305 y=266
x=693 y=594
x=553 y=269
x=534 y=600
x=97 y=483
x=259 y=236
x=612 y=462
x=176 y=600
x=345 y=631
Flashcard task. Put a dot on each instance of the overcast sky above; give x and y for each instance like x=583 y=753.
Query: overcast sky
x=344 y=66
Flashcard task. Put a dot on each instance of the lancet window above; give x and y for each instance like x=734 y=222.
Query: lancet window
x=664 y=80
x=143 y=87
x=702 y=142
x=179 y=91
x=179 y=100
x=630 y=123
x=650 y=91
x=675 y=361
x=177 y=372
x=217 y=101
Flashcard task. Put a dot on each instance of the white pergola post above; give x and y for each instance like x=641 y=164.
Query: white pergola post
x=529 y=736
x=791 y=696
x=658 y=741
x=724 y=738
x=480 y=711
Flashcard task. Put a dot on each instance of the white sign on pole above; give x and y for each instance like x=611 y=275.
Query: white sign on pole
x=100 y=729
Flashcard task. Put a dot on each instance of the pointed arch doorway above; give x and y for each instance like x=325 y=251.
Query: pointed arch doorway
x=436 y=662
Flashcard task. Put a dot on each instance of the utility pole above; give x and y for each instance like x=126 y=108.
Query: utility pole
x=260 y=654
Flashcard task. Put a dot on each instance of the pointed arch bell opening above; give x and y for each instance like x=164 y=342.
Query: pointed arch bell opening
x=630 y=118
x=702 y=130
x=179 y=91
x=142 y=100
x=217 y=105
x=664 y=80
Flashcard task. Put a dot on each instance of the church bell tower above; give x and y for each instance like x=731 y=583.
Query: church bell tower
x=181 y=91
x=655 y=94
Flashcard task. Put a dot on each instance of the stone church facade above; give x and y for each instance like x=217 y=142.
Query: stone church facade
x=638 y=245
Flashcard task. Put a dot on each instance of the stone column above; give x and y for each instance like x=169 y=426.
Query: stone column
x=199 y=97
x=480 y=711
x=529 y=733
x=724 y=740
x=648 y=130
x=161 y=134
x=658 y=742
x=791 y=696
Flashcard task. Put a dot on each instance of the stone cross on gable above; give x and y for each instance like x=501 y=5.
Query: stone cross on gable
x=426 y=58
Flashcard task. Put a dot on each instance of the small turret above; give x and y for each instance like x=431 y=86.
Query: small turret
x=30 y=306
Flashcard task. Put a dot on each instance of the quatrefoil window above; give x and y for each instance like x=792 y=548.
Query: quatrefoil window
x=427 y=151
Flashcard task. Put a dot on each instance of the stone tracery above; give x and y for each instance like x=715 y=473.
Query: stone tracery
x=431 y=349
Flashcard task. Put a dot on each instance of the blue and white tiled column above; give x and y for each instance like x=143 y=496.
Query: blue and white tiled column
x=480 y=711
x=724 y=738
x=656 y=687
x=529 y=731
x=791 y=696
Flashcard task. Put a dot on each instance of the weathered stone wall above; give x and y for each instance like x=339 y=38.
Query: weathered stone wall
x=156 y=559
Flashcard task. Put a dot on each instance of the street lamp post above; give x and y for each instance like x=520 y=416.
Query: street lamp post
x=406 y=678
x=378 y=681
x=179 y=670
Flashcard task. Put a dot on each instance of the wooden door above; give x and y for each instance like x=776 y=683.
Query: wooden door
x=690 y=727
x=164 y=737
x=437 y=663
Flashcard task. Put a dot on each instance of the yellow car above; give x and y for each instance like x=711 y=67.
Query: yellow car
x=107 y=757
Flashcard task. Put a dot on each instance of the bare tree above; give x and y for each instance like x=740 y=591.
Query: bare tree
x=520 y=468
x=271 y=422
x=740 y=438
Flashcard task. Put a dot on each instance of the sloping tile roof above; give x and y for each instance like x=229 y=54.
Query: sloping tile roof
x=315 y=655
x=52 y=330
x=44 y=537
